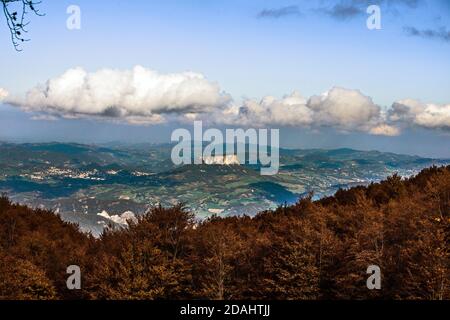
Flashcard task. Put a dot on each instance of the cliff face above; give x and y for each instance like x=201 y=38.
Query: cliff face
x=222 y=160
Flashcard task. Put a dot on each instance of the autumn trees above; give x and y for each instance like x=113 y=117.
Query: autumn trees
x=22 y=280
x=38 y=245
x=145 y=261
x=311 y=250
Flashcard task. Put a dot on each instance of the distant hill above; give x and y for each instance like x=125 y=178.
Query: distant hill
x=80 y=181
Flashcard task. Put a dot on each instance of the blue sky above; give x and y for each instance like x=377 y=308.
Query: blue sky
x=249 y=56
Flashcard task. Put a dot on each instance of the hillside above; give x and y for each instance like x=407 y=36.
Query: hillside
x=310 y=250
x=81 y=181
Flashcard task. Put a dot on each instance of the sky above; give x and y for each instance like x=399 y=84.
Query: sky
x=136 y=70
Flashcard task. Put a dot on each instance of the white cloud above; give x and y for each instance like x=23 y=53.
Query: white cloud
x=426 y=115
x=3 y=94
x=291 y=110
x=142 y=96
x=139 y=95
x=343 y=109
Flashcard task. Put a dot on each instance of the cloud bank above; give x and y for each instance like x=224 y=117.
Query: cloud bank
x=343 y=109
x=142 y=96
x=425 y=115
x=139 y=95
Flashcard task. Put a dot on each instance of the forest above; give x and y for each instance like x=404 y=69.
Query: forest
x=310 y=250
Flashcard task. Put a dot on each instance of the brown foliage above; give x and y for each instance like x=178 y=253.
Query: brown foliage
x=311 y=250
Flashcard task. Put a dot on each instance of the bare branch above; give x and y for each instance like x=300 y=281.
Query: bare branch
x=15 y=12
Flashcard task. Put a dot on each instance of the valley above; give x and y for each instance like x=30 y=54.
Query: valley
x=80 y=182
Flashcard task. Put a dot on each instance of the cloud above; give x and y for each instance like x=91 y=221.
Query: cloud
x=339 y=108
x=142 y=96
x=279 y=12
x=348 y=9
x=436 y=34
x=345 y=109
x=413 y=4
x=343 y=11
x=138 y=96
x=385 y=130
x=291 y=110
x=3 y=94
x=426 y=115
